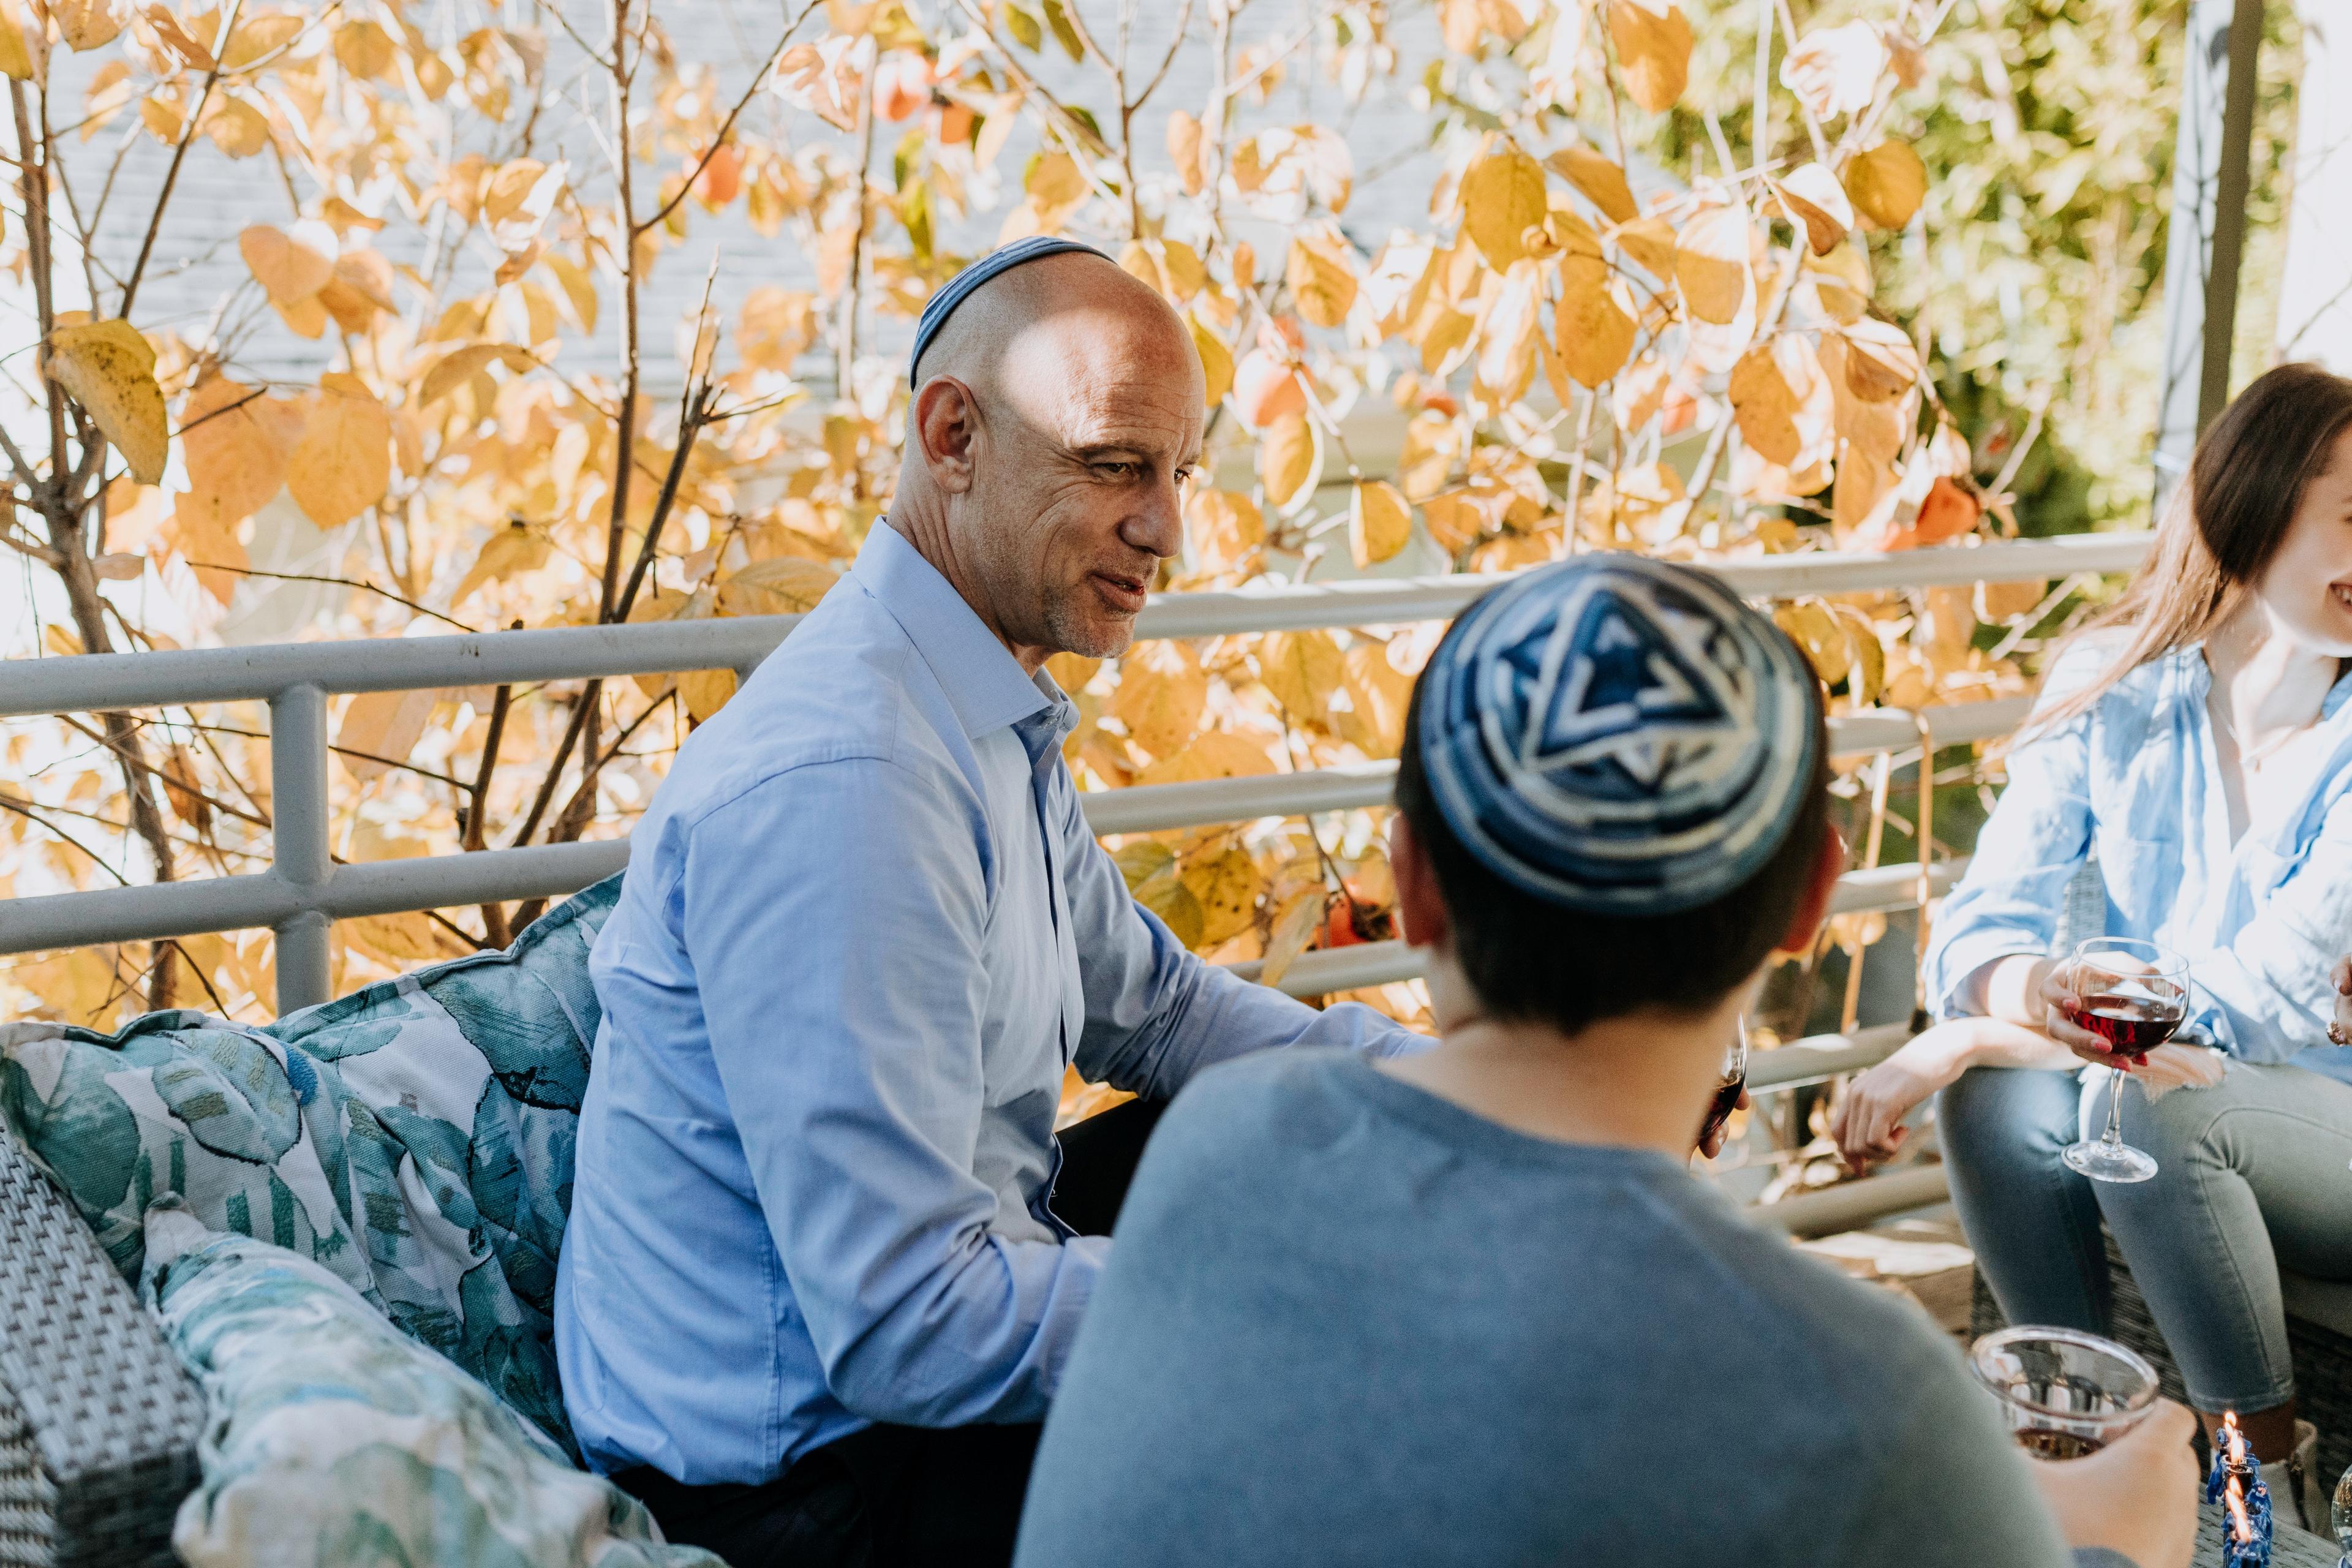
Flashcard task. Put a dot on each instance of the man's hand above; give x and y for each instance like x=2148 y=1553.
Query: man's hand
x=2339 y=1027
x=2136 y=1496
x=2057 y=989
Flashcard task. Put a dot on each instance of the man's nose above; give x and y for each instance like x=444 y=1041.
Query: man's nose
x=1158 y=523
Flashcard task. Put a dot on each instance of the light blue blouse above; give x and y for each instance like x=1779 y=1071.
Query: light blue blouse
x=2136 y=781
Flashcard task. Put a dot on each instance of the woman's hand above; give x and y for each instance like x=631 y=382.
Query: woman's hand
x=1714 y=1144
x=2339 y=1027
x=1867 y=1124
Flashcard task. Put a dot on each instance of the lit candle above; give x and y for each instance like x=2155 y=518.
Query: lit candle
x=2236 y=1481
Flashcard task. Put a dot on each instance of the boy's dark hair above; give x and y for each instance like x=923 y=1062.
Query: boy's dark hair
x=1533 y=961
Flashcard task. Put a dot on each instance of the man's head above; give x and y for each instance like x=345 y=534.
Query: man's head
x=1056 y=417
x=1612 y=795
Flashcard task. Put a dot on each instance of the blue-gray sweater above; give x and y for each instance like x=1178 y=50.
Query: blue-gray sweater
x=1345 y=1322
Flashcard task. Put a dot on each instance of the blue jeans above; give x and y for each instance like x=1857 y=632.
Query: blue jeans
x=2253 y=1173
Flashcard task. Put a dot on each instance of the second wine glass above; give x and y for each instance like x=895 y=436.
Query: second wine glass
x=2132 y=995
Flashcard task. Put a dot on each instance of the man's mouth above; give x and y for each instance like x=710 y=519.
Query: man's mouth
x=1125 y=594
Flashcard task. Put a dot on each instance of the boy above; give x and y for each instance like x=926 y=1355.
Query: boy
x=1470 y=1307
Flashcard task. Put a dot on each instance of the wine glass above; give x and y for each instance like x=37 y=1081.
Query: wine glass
x=2132 y=995
x=1728 y=1085
x=2064 y=1393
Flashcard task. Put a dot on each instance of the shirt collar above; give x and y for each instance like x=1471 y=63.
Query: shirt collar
x=984 y=682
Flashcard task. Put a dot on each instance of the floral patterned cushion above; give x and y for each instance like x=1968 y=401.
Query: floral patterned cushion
x=415 y=1139
x=334 y=1440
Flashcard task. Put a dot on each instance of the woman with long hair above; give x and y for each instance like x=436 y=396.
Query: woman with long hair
x=2195 y=744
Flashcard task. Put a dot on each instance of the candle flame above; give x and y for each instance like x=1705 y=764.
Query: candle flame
x=2240 y=1525
x=2237 y=1439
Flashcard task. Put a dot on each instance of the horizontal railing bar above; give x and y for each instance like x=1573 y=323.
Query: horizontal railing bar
x=1398 y=602
x=1153 y=808
x=1849 y=1205
x=1818 y=1058
x=162 y=909
x=1326 y=969
x=90 y=682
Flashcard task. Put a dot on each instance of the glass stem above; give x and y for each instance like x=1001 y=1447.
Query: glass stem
x=2114 y=1133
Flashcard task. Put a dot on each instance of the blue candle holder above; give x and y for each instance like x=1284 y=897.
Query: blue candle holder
x=2255 y=1551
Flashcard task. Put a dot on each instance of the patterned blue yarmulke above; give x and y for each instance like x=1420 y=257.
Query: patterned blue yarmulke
x=1619 y=735
x=958 y=289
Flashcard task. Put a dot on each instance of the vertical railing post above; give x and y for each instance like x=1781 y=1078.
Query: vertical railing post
x=297 y=804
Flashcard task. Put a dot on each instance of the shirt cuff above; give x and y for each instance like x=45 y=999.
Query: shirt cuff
x=2101 y=1557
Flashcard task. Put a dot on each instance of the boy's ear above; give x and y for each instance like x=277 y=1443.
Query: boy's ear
x=1421 y=912
x=1815 y=907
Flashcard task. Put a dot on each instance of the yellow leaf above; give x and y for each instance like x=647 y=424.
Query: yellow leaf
x=705 y=692
x=1303 y=669
x=1184 y=151
x=1886 y=183
x=1072 y=671
x=383 y=724
x=1650 y=243
x=1322 y=282
x=1502 y=198
x=177 y=40
x=1455 y=520
x=161 y=119
x=1595 y=334
x=1294 y=925
x=1602 y=181
x=1378 y=521
x=510 y=188
x=1174 y=903
x=783 y=585
x=1814 y=628
x=453 y=370
x=1288 y=461
x=235 y=442
x=579 y=289
x=1162 y=692
x=364 y=49
x=1214 y=754
x=60 y=640
x=259 y=37
x=1817 y=204
x=1835 y=71
x=110 y=370
x=15 y=58
x=237 y=128
x=1765 y=405
x=343 y=462
x=1653 y=52
x=509 y=552
x=86 y=24
x=1216 y=361
x=1711 y=262
x=1881 y=361
x=1226 y=526
x=1226 y=886
x=118 y=566
x=1381 y=693
x=286 y=266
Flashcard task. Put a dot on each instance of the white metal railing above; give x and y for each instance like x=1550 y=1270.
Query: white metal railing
x=303 y=890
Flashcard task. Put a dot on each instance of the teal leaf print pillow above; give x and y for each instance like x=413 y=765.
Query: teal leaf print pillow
x=333 y=1440
x=414 y=1139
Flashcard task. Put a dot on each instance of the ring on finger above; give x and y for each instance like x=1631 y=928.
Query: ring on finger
x=2336 y=1036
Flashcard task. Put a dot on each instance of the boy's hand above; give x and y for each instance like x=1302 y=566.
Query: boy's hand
x=2136 y=1496
x=1713 y=1145
x=2339 y=1027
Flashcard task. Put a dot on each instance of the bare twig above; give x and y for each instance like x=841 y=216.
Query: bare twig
x=338 y=582
x=727 y=126
x=179 y=156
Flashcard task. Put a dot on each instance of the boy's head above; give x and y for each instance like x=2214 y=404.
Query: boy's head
x=1615 y=771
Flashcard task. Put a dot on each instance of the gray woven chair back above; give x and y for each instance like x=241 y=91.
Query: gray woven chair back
x=2084 y=914
x=97 y=1421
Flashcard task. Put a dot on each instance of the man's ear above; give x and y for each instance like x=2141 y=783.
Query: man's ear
x=946 y=426
x=1420 y=912
x=1815 y=906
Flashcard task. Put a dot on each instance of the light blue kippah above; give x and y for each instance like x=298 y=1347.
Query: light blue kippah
x=1617 y=735
x=958 y=289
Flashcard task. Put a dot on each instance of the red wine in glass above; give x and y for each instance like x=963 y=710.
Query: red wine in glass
x=2044 y=1444
x=1719 y=1112
x=2133 y=1023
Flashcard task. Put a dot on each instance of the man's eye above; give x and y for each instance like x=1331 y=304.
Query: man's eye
x=1118 y=471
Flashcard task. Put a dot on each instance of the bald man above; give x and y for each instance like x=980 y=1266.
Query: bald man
x=826 y=1258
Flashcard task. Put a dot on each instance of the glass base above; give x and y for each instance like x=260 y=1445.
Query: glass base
x=2104 y=1161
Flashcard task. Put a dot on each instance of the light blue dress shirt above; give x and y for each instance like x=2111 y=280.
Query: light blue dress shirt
x=2136 y=779
x=863 y=929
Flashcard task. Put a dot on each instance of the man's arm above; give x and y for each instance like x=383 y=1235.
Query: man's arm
x=834 y=915
x=1156 y=1014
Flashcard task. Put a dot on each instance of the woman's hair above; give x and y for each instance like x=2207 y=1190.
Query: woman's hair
x=2224 y=526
